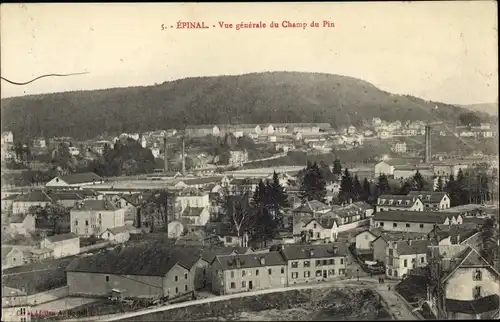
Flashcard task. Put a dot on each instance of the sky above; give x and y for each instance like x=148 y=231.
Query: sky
x=441 y=51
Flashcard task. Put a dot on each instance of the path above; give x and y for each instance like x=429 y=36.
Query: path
x=394 y=303
x=66 y=303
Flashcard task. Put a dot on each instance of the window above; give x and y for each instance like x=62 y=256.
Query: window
x=390 y=272
x=243 y=273
x=307 y=274
x=256 y=272
x=185 y=288
x=478 y=276
x=314 y=226
x=86 y=222
x=341 y=261
x=295 y=264
x=295 y=275
x=407 y=225
x=421 y=225
x=394 y=224
x=395 y=273
x=185 y=276
x=332 y=261
x=76 y=222
x=318 y=235
x=176 y=278
x=269 y=271
x=107 y=278
x=282 y=270
x=243 y=284
x=307 y=264
x=325 y=262
x=233 y=285
x=405 y=263
x=381 y=224
x=422 y=259
x=476 y=292
x=176 y=290
x=318 y=262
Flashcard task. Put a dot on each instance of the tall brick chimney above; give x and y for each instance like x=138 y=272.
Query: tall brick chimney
x=427 y=144
x=183 y=158
x=165 y=155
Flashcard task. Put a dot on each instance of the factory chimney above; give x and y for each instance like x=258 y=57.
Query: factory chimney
x=427 y=144
x=165 y=156
x=183 y=158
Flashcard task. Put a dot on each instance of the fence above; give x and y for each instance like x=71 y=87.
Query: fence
x=95 y=246
x=47 y=296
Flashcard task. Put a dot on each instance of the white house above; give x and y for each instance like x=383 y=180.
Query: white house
x=63 y=245
x=191 y=197
x=116 y=235
x=75 y=180
x=313 y=230
x=25 y=201
x=267 y=129
x=399 y=202
x=95 y=216
x=402 y=256
x=22 y=223
x=364 y=240
x=413 y=221
x=195 y=216
x=432 y=200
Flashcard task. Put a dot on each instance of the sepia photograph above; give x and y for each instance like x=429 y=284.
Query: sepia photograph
x=330 y=161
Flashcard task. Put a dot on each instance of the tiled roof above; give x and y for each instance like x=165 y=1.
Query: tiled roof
x=477 y=306
x=118 y=230
x=210 y=254
x=84 y=177
x=294 y=252
x=400 y=161
x=311 y=206
x=396 y=201
x=203 y=180
x=463 y=231
x=18 y=218
x=251 y=260
x=96 y=205
x=191 y=191
x=413 y=247
x=66 y=195
x=192 y=211
x=414 y=216
x=245 y=181
x=151 y=259
x=432 y=196
x=34 y=196
x=61 y=237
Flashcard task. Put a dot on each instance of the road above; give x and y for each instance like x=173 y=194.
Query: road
x=394 y=303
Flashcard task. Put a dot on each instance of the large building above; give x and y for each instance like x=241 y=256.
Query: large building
x=402 y=256
x=413 y=221
x=74 y=180
x=95 y=216
x=432 y=200
x=398 y=202
x=141 y=271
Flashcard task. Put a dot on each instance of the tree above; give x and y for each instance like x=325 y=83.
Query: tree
x=313 y=186
x=358 y=189
x=278 y=199
x=346 y=192
x=419 y=181
x=489 y=237
x=382 y=185
x=408 y=185
x=241 y=212
x=440 y=184
x=326 y=173
x=53 y=214
x=337 y=167
x=367 y=191
x=452 y=189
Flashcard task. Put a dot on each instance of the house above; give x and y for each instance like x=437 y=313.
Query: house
x=74 y=180
x=116 y=235
x=240 y=186
x=267 y=129
x=309 y=210
x=432 y=200
x=376 y=121
x=195 y=216
x=63 y=245
x=471 y=287
x=130 y=203
x=464 y=234
x=22 y=223
x=312 y=263
x=365 y=239
x=202 y=130
x=445 y=169
x=380 y=244
x=66 y=198
x=190 y=197
x=313 y=230
x=398 y=202
x=247 y=128
x=304 y=128
x=240 y=273
x=399 y=147
x=15 y=306
x=8 y=201
x=11 y=257
x=407 y=171
x=413 y=221
x=175 y=229
x=95 y=216
x=25 y=201
x=163 y=272
x=402 y=256
x=237 y=158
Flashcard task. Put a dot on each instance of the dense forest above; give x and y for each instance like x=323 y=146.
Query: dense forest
x=251 y=98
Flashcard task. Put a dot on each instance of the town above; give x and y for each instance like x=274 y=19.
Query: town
x=144 y=221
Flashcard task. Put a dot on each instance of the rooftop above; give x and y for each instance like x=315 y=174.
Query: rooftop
x=34 y=196
x=413 y=247
x=432 y=196
x=251 y=260
x=311 y=206
x=414 y=216
x=192 y=211
x=295 y=252
x=84 y=177
x=95 y=205
x=61 y=237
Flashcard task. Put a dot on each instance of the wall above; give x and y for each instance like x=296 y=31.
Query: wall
x=263 y=280
x=351 y=225
x=14 y=259
x=109 y=219
x=47 y=296
x=199 y=273
x=401 y=226
x=333 y=270
x=379 y=250
x=460 y=285
x=95 y=284
x=65 y=247
x=364 y=240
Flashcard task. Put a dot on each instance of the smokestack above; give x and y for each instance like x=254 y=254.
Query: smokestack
x=183 y=158
x=427 y=144
x=165 y=156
